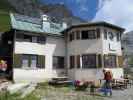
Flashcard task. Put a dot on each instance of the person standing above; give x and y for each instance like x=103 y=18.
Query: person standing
x=108 y=80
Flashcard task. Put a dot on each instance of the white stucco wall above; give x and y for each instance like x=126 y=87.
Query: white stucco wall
x=54 y=46
x=94 y=46
x=34 y=75
x=84 y=46
x=80 y=47
x=93 y=74
x=114 y=44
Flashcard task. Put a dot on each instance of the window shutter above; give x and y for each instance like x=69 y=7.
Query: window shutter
x=72 y=62
x=120 y=61
x=41 y=61
x=29 y=61
x=99 y=60
x=17 y=61
x=78 y=61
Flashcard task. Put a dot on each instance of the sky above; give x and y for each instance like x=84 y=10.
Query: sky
x=119 y=12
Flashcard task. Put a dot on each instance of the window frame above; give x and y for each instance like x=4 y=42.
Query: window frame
x=89 y=65
x=109 y=64
x=78 y=61
x=71 y=36
x=38 y=66
x=92 y=34
x=118 y=36
x=105 y=34
x=72 y=62
x=84 y=34
x=22 y=38
x=111 y=35
x=60 y=64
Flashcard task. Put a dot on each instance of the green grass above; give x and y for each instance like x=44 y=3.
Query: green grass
x=17 y=96
x=45 y=91
x=5 y=8
x=4 y=21
x=4 y=5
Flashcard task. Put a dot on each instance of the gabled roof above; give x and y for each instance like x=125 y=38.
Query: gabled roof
x=26 y=23
x=105 y=24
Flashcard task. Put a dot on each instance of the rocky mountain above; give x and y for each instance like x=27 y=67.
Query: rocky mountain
x=127 y=46
x=34 y=8
x=61 y=13
x=26 y=7
x=127 y=43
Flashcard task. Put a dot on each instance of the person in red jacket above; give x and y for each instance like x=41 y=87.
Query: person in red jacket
x=108 y=79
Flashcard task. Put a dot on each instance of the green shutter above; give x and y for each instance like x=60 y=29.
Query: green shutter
x=17 y=60
x=41 y=61
x=29 y=61
x=99 y=60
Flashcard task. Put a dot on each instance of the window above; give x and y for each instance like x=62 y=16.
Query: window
x=41 y=39
x=58 y=62
x=109 y=61
x=89 y=61
x=118 y=35
x=29 y=38
x=78 y=61
x=71 y=36
x=33 y=61
x=105 y=34
x=77 y=35
x=34 y=39
x=19 y=37
x=111 y=35
x=25 y=61
x=91 y=34
x=72 y=62
x=98 y=32
x=85 y=35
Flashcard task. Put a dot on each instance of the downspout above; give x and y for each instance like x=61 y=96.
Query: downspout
x=66 y=55
x=14 y=38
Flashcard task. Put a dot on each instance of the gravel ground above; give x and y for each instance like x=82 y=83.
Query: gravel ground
x=126 y=94
x=65 y=93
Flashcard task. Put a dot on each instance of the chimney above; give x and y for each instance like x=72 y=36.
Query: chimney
x=46 y=23
x=64 y=25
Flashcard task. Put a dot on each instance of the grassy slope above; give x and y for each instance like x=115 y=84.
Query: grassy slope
x=5 y=8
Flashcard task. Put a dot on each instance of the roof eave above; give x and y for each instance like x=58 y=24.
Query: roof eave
x=95 y=24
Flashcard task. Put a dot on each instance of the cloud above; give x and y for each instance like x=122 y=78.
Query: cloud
x=119 y=12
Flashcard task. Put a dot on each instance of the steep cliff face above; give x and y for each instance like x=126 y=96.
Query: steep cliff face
x=34 y=8
x=26 y=7
x=61 y=13
x=127 y=43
